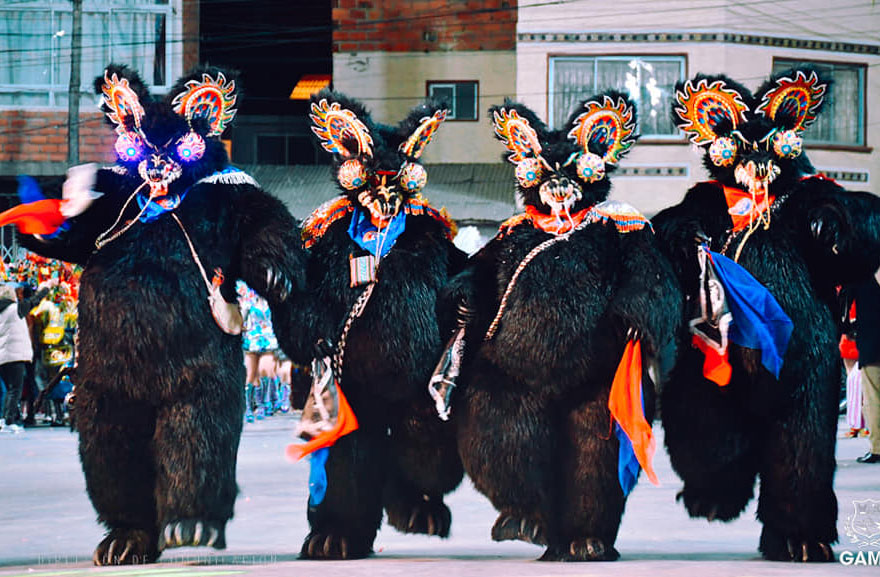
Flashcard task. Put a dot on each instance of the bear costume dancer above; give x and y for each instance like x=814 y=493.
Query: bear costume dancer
x=549 y=306
x=382 y=246
x=159 y=403
x=798 y=234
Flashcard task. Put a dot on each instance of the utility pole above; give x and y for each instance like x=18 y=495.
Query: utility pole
x=73 y=89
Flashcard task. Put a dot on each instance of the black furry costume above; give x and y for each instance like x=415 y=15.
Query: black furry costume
x=534 y=427
x=817 y=235
x=159 y=398
x=401 y=457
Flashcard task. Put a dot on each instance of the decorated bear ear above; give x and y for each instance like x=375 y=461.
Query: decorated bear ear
x=419 y=128
x=708 y=108
x=207 y=97
x=122 y=93
x=605 y=125
x=340 y=125
x=793 y=99
x=517 y=128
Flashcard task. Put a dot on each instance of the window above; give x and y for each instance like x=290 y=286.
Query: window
x=842 y=120
x=36 y=48
x=649 y=81
x=461 y=97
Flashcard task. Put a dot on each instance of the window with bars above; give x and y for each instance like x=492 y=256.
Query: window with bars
x=35 y=46
x=842 y=120
x=462 y=97
x=649 y=81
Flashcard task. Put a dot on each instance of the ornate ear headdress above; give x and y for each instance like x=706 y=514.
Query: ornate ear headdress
x=413 y=176
x=702 y=108
x=342 y=133
x=522 y=141
x=607 y=126
x=124 y=109
x=209 y=99
x=792 y=104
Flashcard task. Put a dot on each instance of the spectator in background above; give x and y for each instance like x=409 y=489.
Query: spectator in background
x=849 y=352
x=260 y=345
x=867 y=299
x=16 y=351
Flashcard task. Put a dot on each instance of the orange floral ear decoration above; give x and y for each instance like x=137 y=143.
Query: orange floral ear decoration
x=416 y=143
x=122 y=102
x=702 y=106
x=517 y=135
x=609 y=124
x=210 y=99
x=337 y=128
x=799 y=97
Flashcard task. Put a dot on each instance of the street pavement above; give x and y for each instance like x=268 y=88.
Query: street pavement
x=48 y=527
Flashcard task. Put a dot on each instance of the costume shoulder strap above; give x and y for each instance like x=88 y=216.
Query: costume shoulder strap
x=624 y=216
x=320 y=220
x=419 y=205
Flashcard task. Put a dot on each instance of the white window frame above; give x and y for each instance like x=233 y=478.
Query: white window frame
x=596 y=58
x=431 y=84
x=173 y=34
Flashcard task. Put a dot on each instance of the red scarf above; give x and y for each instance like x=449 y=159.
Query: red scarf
x=555 y=224
x=743 y=210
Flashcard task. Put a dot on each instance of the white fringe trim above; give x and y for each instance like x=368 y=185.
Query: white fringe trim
x=230 y=178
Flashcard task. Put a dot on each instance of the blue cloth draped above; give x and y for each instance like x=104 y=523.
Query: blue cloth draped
x=367 y=235
x=758 y=320
x=627 y=464
x=318 y=476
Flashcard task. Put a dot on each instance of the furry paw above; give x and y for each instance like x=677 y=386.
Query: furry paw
x=333 y=547
x=711 y=507
x=193 y=533
x=776 y=547
x=430 y=516
x=587 y=549
x=511 y=528
x=126 y=547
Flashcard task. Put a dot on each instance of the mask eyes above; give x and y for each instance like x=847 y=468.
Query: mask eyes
x=352 y=175
x=590 y=167
x=191 y=147
x=528 y=172
x=413 y=177
x=129 y=146
x=788 y=144
x=722 y=152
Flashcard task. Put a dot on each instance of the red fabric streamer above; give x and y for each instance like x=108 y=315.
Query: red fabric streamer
x=625 y=404
x=716 y=367
x=346 y=422
x=553 y=224
x=39 y=217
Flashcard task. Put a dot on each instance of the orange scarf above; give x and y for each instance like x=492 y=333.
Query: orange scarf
x=743 y=208
x=555 y=224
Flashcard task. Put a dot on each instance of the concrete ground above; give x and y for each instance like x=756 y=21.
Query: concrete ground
x=48 y=528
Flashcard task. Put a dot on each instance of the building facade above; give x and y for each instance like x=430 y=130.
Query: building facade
x=566 y=51
x=159 y=38
x=391 y=54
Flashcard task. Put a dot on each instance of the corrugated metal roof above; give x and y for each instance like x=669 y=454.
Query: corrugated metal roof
x=470 y=192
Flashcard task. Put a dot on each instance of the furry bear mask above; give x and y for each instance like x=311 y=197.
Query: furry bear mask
x=752 y=140
x=564 y=171
x=172 y=142
x=377 y=166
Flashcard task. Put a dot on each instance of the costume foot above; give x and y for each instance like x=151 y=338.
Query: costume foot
x=126 y=547
x=775 y=547
x=588 y=549
x=430 y=516
x=333 y=547
x=193 y=533
x=713 y=506
x=511 y=528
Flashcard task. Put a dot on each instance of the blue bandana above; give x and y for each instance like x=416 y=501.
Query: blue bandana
x=370 y=238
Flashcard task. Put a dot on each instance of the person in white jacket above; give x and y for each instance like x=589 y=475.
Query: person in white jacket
x=15 y=352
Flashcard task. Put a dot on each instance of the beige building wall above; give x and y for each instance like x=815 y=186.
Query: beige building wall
x=746 y=36
x=391 y=83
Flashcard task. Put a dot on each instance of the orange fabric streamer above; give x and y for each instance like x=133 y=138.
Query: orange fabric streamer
x=39 y=217
x=346 y=422
x=625 y=404
x=716 y=367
